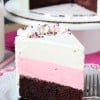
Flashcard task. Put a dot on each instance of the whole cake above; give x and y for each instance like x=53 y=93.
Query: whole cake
x=89 y=4
x=50 y=62
x=63 y=11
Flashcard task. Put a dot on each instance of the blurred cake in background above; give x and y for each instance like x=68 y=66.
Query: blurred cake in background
x=56 y=10
x=88 y=4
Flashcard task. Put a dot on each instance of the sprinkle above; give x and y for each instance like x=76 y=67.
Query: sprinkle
x=38 y=31
x=33 y=35
x=56 y=28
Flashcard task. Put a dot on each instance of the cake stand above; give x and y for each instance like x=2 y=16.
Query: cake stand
x=49 y=15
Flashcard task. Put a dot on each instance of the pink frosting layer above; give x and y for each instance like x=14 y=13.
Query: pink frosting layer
x=51 y=72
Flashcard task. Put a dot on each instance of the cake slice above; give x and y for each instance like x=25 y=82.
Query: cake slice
x=50 y=62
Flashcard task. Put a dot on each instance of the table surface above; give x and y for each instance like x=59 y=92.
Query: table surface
x=15 y=17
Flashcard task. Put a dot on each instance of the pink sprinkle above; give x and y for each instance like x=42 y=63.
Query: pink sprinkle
x=34 y=36
x=42 y=27
x=56 y=28
x=63 y=33
x=49 y=33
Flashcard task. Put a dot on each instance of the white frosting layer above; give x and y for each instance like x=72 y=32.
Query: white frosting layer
x=62 y=49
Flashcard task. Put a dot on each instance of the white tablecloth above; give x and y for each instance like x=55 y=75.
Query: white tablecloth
x=8 y=90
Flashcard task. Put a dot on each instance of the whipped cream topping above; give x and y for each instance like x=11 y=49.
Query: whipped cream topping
x=39 y=31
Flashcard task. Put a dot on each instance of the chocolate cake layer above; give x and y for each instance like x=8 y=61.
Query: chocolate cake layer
x=34 y=89
x=43 y=3
x=89 y=4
